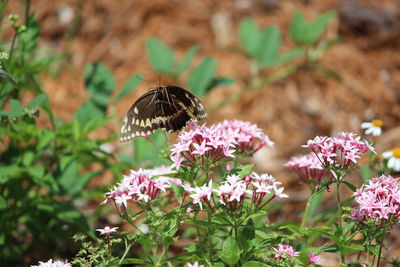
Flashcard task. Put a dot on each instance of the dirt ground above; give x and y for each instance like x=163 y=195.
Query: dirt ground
x=291 y=111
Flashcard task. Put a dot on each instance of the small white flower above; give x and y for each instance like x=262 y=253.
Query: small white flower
x=107 y=230
x=50 y=263
x=374 y=127
x=394 y=159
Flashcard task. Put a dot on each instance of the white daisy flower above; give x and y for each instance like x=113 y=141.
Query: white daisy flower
x=374 y=127
x=394 y=158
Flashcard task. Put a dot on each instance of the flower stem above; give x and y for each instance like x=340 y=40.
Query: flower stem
x=307 y=211
x=277 y=76
x=381 y=246
x=339 y=205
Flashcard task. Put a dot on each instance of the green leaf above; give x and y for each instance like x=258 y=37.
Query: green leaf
x=350 y=185
x=128 y=261
x=365 y=172
x=76 y=129
x=288 y=56
x=98 y=79
x=202 y=76
x=161 y=57
x=306 y=33
x=254 y=264
x=28 y=40
x=230 y=251
x=352 y=249
x=187 y=59
x=268 y=50
x=132 y=83
x=6 y=76
x=249 y=230
x=27 y=158
x=16 y=108
x=37 y=101
x=88 y=111
x=315 y=203
x=250 y=36
x=67 y=212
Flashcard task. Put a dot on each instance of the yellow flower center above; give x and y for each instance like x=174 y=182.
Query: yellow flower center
x=396 y=152
x=377 y=123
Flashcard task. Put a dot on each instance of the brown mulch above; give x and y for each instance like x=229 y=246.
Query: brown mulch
x=290 y=111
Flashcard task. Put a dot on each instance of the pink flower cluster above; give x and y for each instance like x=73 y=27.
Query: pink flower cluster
x=285 y=249
x=308 y=168
x=235 y=189
x=201 y=146
x=378 y=200
x=204 y=146
x=138 y=186
x=339 y=152
x=249 y=138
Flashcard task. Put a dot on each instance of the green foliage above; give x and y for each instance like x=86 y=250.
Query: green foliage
x=263 y=45
x=307 y=33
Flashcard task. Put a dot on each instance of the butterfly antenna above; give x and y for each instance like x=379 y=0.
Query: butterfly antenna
x=151 y=141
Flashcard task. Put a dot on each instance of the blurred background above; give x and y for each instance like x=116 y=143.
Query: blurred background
x=354 y=76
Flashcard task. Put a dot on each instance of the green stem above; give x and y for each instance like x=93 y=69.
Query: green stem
x=209 y=234
x=307 y=211
x=339 y=204
x=381 y=246
x=127 y=248
x=279 y=75
x=12 y=45
x=155 y=250
x=27 y=9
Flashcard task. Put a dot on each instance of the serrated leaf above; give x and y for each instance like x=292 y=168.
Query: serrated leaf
x=187 y=59
x=161 y=57
x=202 y=76
x=249 y=230
x=129 y=87
x=230 y=251
x=250 y=36
x=37 y=101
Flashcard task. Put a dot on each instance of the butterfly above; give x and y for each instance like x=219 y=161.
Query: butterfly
x=167 y=107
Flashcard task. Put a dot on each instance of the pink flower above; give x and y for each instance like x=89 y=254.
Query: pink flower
x=232 y=192
x=248 y=137
x=50 y=263
x=378 y=200
x=265 y=187
x=201 y=147
x=202 y=193
x=107 y=230
x=284 y=249
x=340 y=152
x=313 y=259
x=308 y=168
x=142 y=185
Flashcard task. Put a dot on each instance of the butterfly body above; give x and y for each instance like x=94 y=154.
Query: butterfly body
x=167 y=107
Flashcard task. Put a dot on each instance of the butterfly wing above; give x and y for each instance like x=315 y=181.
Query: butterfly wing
x=167 y=108
x=193 y=106
x=137 y=121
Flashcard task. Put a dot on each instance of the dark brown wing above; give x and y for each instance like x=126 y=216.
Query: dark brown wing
x=193 y=106
x=136 y=122
x=167 y=108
